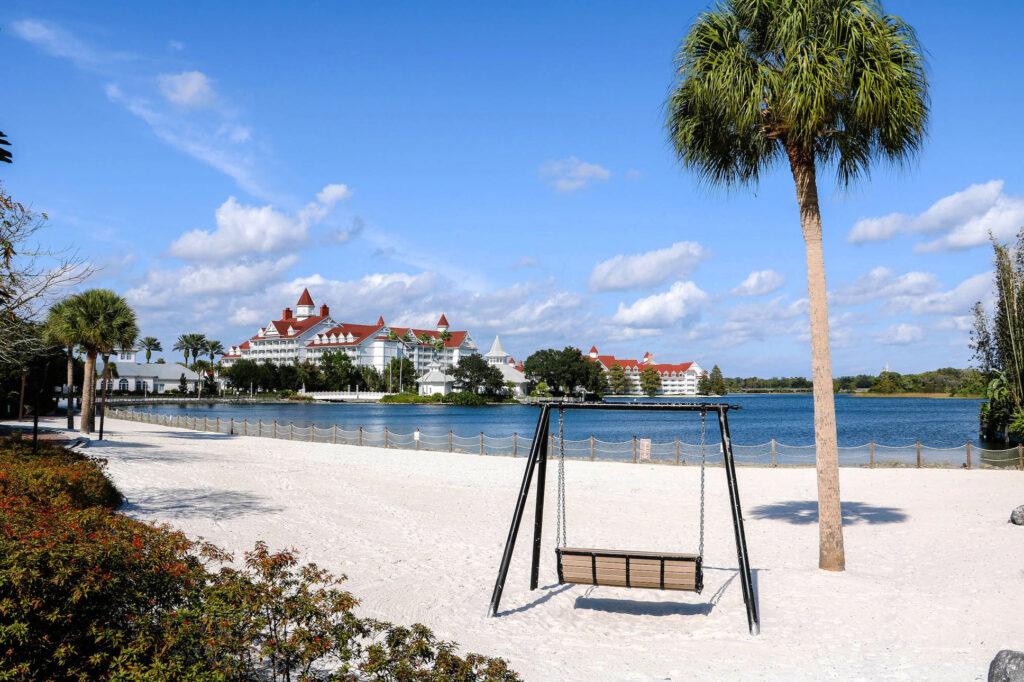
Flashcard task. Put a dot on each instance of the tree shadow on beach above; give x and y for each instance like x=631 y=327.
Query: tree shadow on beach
x=198 y=502
x=803 y=512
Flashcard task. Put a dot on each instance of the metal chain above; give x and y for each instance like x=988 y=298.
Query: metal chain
x=560 y=529
x=703 y=459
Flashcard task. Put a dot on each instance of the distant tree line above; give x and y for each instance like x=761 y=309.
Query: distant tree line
x=948 y=380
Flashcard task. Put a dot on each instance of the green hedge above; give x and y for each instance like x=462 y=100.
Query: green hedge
x=89 y=594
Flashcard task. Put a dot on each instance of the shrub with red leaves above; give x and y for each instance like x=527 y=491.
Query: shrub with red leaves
x=89 y=594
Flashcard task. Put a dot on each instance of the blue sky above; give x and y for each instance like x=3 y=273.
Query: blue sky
x=505 y=165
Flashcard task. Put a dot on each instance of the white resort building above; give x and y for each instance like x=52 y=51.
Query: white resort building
x=147 y=377
x=307 y=334
x=506 y=364
x=678 y=379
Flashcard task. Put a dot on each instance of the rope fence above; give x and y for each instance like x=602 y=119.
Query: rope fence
x=772 y=453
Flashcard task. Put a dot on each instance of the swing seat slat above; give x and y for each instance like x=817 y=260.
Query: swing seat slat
x=650 y=570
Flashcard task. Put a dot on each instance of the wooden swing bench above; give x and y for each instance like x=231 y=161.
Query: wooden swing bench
x=616 y=568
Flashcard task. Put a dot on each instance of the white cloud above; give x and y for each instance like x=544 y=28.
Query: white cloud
x=60 y=43
x=899 y=334
x=645 y=270
x=526 y=262
x=883 y=283
x=964 y=219
x=956 y=301
x=163 y=288
x=759 y=282
x=251 y=229
x=683 y=299
x=175 y=45
x=189 y=89
x=572 y=174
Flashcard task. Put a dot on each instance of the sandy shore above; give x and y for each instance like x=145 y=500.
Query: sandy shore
x=934 y=585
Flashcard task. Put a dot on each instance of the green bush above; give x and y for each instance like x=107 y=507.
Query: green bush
x=89 y=594
x=412 y=398
x=465 y=399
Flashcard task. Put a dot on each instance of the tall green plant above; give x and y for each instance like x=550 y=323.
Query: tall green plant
x=998 y=345
x=813 y=83
x=101 y=321
x=150 y=344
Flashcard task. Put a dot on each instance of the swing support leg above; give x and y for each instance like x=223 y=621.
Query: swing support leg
x=753 y=621
x=538 y=516
x=537 y=450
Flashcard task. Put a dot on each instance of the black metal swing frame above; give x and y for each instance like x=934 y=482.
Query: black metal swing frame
x=537 y=462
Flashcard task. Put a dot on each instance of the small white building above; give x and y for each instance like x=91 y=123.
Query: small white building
x=506 y=364
x=436 y=382
x=145 y=377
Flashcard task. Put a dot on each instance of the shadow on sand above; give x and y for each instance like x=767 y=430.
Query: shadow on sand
x=198 y=502
x=806 y=512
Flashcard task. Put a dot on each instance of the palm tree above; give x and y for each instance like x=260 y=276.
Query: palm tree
x=100 y=320
x=814 y=82
x=182 y=344
x=444 y=336
x=150 y=344
x=60 y=330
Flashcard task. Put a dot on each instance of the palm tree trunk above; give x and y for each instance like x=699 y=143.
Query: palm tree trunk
x=71 y=387
x=103 y=399
x=89 y=393
x=831 y=555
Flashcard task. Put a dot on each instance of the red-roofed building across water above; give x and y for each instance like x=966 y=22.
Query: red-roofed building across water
x=307 y=334
x=676 y=379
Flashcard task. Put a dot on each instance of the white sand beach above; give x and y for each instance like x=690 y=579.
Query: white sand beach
x=934 y=585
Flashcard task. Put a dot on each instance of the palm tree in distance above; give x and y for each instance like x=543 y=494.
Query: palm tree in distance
x=150 y=344
x=444 y=336
x=812 y=82
x=60 y=330
x=196 y=344
x=182 y=344
x=101 y=321
x=213 y=348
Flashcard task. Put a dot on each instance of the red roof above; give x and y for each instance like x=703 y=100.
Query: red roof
x=298 y=325
x=443 y=322
x=635 y=366
x=305 y=299
x=593 y=349
x=380 y=321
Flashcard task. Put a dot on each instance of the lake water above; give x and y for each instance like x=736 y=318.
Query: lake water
x=789 y=419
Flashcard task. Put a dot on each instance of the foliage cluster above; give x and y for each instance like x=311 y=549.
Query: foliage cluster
x=474 y=374
x=998 y=345
x=713 y=383
x=565 y=371
x=89 y=594
x=650 y=381
x=948 y=380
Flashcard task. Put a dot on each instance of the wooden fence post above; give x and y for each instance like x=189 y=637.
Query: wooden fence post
x=481 y=442
x=415 y=439
x=677 y=451
x=450 y=446
x=918 y=454
x=591 y=447
x=291 y=430
x=551 y=446
x=385 y=436
x=231 y=426
x=275 y=429
x=871 y=449
x=773 y=452
x=312 y=432
x=259 y=427
x=968 y=454
x=334 y=439
x=634 y=449
x=360 y=435
x=515 y=444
